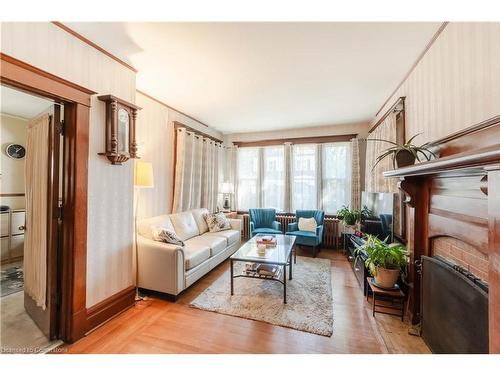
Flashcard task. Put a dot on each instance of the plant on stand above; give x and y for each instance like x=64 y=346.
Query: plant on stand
x=405 y=154
x=350 y=218
x=386 y=262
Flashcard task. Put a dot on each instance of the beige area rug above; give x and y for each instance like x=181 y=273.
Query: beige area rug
x=309 y=298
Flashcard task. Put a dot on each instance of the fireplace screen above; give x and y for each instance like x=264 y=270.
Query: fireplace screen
x=454 y=309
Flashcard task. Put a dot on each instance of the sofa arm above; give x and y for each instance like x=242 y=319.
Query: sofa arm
x=292 y=227
x=319 y=232
x=276 y=225
x=236 y=224
x=160 y=266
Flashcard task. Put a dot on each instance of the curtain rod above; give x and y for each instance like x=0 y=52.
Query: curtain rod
x=389 y=111
x=299 y=140
x=178 y=124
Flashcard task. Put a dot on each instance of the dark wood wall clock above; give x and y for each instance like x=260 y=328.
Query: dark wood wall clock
x=15 y=151
x=121 y=143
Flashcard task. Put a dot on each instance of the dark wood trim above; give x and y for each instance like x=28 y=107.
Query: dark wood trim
x=299 y=140
x=12 y=194
x=401 y=99
x=419 y=58
x=92 y=44
x=28 y=78
x=72 y=270
x=111 y=306
x=178 y=125
x=469 y=130
x=170 y=107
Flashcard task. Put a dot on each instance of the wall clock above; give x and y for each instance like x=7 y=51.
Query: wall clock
x=15 y=151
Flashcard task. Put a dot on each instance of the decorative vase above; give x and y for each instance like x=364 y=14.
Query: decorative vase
x=404 y=158
x=386 y=278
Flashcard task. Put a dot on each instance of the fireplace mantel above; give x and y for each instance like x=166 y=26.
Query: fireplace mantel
x=458 y=196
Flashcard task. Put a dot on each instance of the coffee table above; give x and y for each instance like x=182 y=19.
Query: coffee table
x=279 y=255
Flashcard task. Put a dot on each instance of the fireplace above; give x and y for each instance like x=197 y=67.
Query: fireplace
x=454 y=308
x=453 y=206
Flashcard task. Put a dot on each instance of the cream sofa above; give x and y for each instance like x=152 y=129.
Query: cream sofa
x=170 y=268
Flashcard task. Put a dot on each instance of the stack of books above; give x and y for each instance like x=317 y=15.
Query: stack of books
x=266 y=240
x=266 y=270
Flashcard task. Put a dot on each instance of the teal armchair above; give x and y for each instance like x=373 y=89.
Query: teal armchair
x=308 y=238
x=263 y=221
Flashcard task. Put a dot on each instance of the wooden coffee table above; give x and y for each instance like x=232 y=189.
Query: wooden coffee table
x=279 y=255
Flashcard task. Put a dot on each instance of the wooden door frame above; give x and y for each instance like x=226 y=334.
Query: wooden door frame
x=73 y=269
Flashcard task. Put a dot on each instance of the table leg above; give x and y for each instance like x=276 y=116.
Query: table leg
x=403 y=310
x=373 y=308
x=232 y=287
x=295 y=253
x=290 y=272
x=284 y=284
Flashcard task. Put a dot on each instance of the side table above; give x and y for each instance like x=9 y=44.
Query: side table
x=396 y=297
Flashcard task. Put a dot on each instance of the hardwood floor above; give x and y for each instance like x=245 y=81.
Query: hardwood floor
x=159 y=326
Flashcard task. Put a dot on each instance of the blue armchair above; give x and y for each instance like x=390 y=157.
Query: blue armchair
x=308 y=238
x=263 y=221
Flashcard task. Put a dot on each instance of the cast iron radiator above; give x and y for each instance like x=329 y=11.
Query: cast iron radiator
x=454 y=309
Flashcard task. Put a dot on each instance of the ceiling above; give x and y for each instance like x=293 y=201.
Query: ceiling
x=240 y=77
x=19 y=104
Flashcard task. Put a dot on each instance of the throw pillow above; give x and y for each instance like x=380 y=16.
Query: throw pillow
x=307 y=224
x=165 y=235
x=217 y=222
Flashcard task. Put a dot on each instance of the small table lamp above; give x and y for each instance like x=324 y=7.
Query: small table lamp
x=226 y=190
x=143 y=178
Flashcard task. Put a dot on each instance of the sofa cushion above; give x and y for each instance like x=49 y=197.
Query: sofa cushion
x=200 y=221
x=184 y=225
x=307 y=224
x=216 y=244
x=164 y=235
x=232 y=236
x=217 y=222
x=195 y=254
x=145 y=226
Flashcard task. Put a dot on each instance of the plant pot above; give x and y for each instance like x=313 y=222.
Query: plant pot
x=386 y=278
x=404 y=158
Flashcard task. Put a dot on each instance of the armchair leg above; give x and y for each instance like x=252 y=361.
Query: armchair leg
x=314 y=251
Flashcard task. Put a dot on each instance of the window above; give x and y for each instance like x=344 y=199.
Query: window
x=336 y=176
x=248 y=178
x=304 y=186
x=273 y=187
x=314 y=183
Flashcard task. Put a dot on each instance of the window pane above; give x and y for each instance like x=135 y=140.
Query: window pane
x=336 y=176
x=273 y=178
x=248 y=176
x=304 y=177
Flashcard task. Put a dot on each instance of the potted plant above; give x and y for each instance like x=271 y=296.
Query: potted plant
x=405 y=154
x=349 y=217
x=384 y=261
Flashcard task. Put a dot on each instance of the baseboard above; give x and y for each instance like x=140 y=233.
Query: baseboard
x=111 y=306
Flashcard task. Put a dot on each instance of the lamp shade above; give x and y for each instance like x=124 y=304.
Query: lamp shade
x=143 y=174
x=227 y=188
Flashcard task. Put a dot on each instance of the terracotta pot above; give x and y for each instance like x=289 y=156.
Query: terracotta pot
x=386 y=278
x=404 y=158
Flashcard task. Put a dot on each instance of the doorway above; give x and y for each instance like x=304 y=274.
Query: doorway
x=72 y=267
x=31 y=194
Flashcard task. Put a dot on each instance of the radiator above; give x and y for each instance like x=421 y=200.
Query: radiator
x=331 y=232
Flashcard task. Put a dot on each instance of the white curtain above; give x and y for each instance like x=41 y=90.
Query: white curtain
x=196 y=172
x=35 y=236
x=288 y=178
x=374 y=178
x=355 y=175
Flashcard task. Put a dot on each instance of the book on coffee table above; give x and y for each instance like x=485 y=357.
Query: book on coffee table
x=267 y=269
x=266 y=240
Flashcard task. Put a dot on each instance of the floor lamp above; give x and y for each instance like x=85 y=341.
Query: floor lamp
x=143 y=179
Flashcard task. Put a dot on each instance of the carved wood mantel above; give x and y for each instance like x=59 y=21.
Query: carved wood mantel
x=458 y=196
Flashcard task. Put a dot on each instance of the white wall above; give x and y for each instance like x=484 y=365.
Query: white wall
x=13 y=130
x=155 y=134
x=110 y=188
x=456 y=84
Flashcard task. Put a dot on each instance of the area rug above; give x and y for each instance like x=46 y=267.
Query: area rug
x=11 y=280
x=309 y=298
